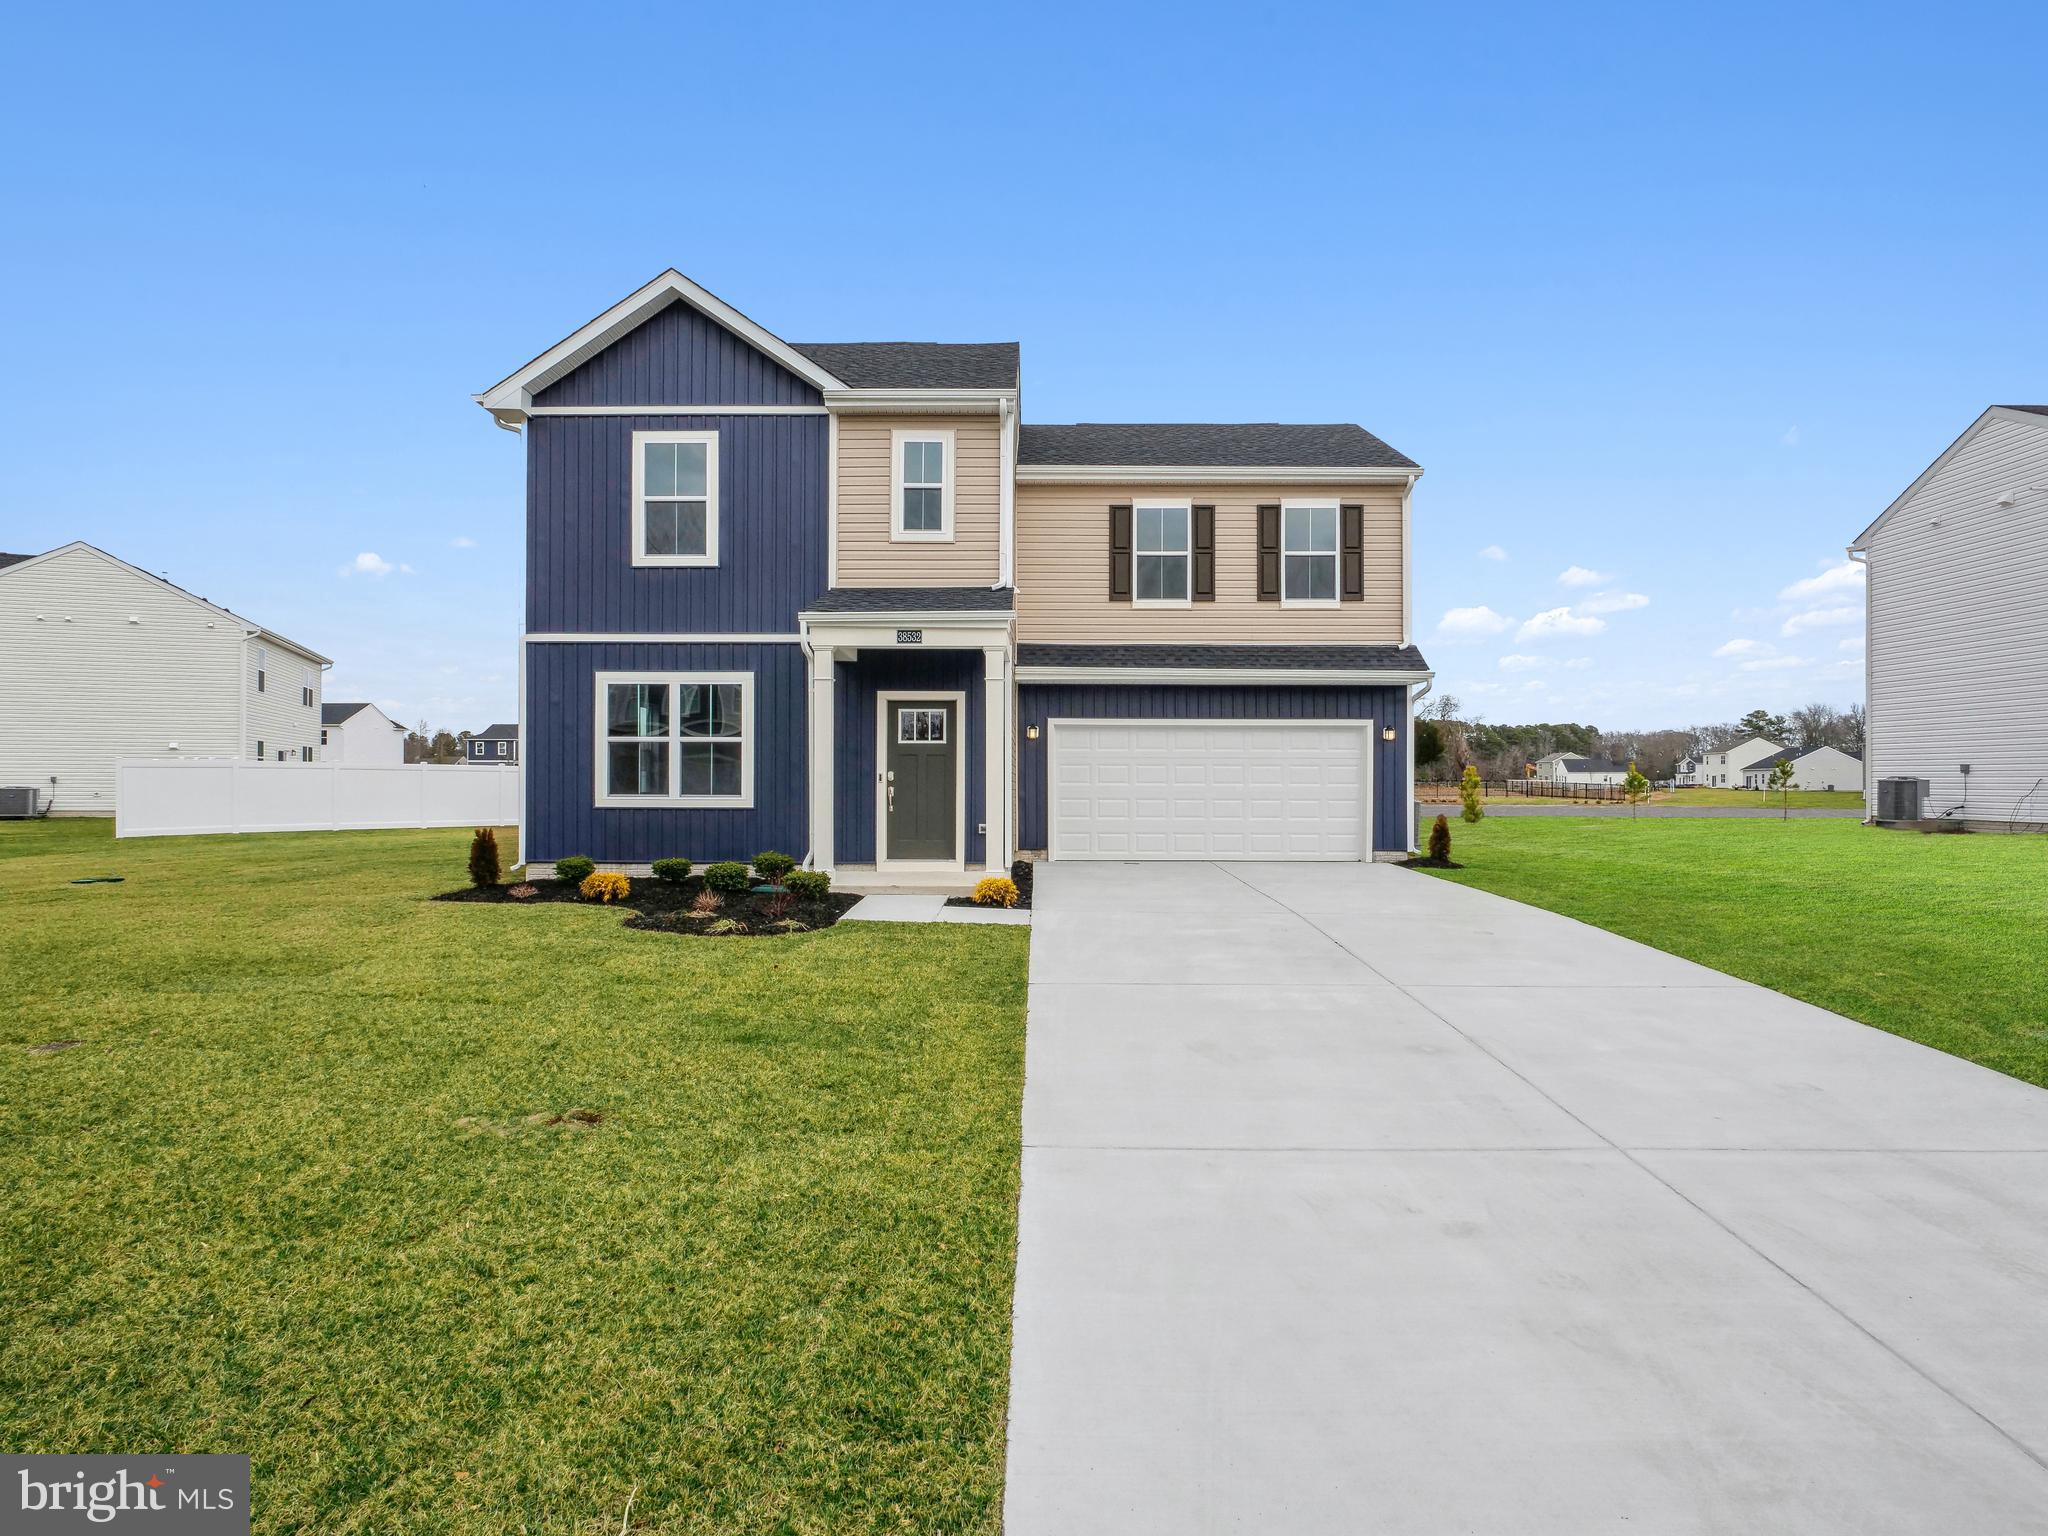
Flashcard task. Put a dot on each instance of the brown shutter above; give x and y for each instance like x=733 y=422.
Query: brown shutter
x=1353 y=519
x=1269 y=553
x=1120 y=554
x=1205 y=554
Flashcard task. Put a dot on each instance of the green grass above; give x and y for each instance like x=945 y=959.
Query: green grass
x=1942 y=939
x=291 y=1197
x=1760 y=800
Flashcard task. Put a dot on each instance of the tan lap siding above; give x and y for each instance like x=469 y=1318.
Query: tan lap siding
x=868 y=557
x=1063 y=569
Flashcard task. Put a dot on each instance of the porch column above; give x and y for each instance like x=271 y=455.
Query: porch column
x=823 y=846
x=995 y=795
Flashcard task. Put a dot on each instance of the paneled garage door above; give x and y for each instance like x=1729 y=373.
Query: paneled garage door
x=1159 y=789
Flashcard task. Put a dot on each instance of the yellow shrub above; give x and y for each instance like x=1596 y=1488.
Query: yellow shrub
x=606 y=886
x=996 y=891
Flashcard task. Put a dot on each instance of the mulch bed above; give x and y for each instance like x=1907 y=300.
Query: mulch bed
x=1020 y=872
x=665 y=906
x=1428 y=863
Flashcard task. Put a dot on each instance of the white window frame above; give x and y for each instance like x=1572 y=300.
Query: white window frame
x=943 y=534
x=1336 y=555
x=1187 y=552
x=641 y=441
x=749 y=747
x=926 y=712
x=262 y=668
x=503 y=747
x=306 y=682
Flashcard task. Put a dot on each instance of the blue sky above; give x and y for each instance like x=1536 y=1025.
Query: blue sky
x=1676 y=300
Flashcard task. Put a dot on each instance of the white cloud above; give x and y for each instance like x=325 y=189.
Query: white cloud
x=462 y=541
x=1560 y=621
x=370 y=563
x=1579 y=576
x=1523 y=663
x=1821 y=618
x=1791 y=437
x=1613 y=602
x=1472 y=623
x=1493 y=552
x=1774 y=663
x=1578 y=664
x=1745 y=648
x=1842 y=578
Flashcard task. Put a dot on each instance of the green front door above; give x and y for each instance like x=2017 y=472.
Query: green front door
x=920 y=776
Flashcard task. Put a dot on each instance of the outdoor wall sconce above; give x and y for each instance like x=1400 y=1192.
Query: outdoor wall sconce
x=1387 y=733
x=1031 y=733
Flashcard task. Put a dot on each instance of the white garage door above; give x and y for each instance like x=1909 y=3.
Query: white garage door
x=1156 y=789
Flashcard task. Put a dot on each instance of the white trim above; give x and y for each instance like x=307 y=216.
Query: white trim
x=677 y=410
x=525 y=812
x=510 y=400
x=1226 y=675
x=930 y=618
x=943 y=534
x=1368 y=729
x=749 y=746
x=1407 y=564
x=1186 y=552
x=1335 y=553
x=1212 y=474
x=566 y=637
x=644 y=440
x=998 y=807
x=1006 y=497
x=1991 y=414
x=914 y=696
x=820 y=778
x=947 y=402
x=832 y=500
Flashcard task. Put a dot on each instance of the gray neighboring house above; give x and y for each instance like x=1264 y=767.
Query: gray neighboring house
x=1956 y=627
x=499 y=744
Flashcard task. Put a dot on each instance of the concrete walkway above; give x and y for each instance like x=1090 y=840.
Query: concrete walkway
x=1354 y=1200
x=1671 y=812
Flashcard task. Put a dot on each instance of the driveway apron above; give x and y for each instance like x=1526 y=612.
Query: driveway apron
x=1358 y=1201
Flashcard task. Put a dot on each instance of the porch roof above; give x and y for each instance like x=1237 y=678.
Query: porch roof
x=872 y=600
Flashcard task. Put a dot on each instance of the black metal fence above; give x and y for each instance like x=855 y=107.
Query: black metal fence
x=1446 y=791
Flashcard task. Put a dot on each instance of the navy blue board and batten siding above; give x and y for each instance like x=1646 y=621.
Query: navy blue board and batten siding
x=581 y=579
x=855 y=688
x=1039 y=702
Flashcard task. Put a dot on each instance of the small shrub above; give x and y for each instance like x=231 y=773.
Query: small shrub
x=707 y=904
x=726 y=925
x=606 y=886
x=575 y=871
x=772 y=866
x=791 y=925
x=1440 y=840
x=996 y=891
x=523 y=892
x=726 y=876
x=810 y=884
x=673 y=871
x=1472 y=794
x=778 y=906
x=483 y=858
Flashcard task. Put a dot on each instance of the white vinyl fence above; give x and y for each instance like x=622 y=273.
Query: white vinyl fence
x=180 y=797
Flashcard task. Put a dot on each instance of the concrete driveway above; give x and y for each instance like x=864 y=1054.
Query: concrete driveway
x=1355 y=1201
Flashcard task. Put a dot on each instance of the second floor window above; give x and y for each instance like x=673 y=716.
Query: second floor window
x=1308 y=553
x=1159 y=556
x=924 y=486
x=262 y=669
x=675 y=498
x=306 y=686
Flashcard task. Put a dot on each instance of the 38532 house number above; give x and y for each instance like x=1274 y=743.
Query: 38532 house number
x=910 y=637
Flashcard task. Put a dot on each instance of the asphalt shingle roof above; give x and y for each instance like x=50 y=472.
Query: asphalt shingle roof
x=1307 y=658
x=497 y=732
x=913 y=600
x=6 y=560
x=2038 y=410
x=1273 y=444
x=916 y=364
x=334 y=714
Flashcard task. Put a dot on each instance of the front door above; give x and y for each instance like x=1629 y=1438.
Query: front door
x=920 y=773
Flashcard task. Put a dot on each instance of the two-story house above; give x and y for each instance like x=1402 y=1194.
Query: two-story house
x=1723 y=768
x=497 y=744
x=834 y=598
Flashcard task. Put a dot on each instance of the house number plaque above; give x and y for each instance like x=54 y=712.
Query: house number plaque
x=910 y=637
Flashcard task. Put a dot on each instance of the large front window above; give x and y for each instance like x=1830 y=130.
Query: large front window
x=1159 y=553
x=675 y=738
x=1308 y=552
x=675 y=498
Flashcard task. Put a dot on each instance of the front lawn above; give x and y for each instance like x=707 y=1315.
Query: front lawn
x=1942 y=939
x=310 y=1186
x=1766 y=800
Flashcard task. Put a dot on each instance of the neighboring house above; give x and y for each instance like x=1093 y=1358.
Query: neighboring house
x=1724 y=767
x=100 y=660
x=360 y=733
x=833 y=598
x=1687 y=774
x=1956 y=650
x=499 y=744
x=1814 y=768
x=1576 y=768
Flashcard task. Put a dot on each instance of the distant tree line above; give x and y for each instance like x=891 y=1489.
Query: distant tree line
x=1446 y=741
x=426 y=746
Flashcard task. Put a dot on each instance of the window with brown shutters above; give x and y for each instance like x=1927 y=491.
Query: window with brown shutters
x=1205 y=554
x=1269 y=553
x=1120 y=554
x=1353 y=589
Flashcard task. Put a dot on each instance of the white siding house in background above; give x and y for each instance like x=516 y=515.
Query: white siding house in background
x=360 y=733
x=1956 y=627
x=1722 y=769
x=1815 y=768
x=100 y=660
x=1577 y=768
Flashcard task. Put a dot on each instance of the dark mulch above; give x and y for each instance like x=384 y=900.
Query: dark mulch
x=1427 y=863
x=665 y=906
x=1020 y=872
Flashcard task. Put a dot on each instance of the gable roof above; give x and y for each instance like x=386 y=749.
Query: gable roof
x=334 y=714
x=7 y=560
x=497 y=733
x=2031 y=415
x=1588 y=764
x=917 y=364
x=23 y=562
x=1261 y=444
